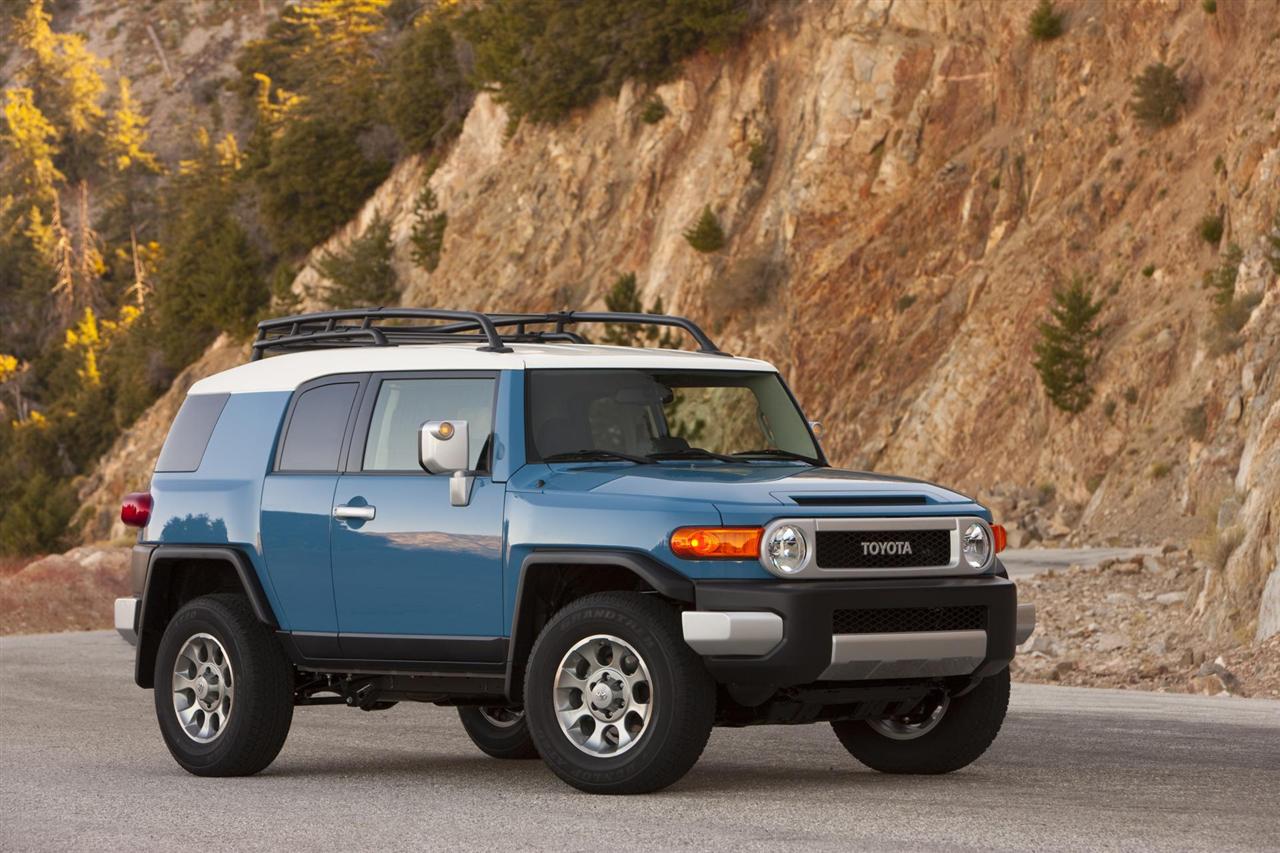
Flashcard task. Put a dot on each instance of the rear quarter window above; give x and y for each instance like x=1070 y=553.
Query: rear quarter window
x=189 y=436
x=313 y=440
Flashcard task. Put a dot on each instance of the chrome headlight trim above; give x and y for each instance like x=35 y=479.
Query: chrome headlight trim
x=786 y=550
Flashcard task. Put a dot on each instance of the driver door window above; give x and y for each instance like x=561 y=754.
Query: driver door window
x=402 y=407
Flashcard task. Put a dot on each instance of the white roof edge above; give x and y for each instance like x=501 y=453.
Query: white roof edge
x=287 y=372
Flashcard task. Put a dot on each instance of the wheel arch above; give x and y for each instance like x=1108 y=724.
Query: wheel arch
x=552 y=578
x=178 y=573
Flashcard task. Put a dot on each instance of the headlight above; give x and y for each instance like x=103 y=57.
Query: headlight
x=976 y=546
x=787 y=549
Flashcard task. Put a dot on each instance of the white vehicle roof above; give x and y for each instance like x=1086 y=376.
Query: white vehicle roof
x=286 y=372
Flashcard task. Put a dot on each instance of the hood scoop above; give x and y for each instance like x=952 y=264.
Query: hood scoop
x=819 y=499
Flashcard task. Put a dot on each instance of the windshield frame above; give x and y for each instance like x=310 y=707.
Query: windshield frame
x=532 y=455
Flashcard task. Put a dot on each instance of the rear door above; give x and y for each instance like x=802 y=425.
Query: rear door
x=418 y=578
x=297 y=506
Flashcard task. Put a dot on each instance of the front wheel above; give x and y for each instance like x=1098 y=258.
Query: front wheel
x=223 y=688
x=617 y=702
x=499 y=732
x=940 y=736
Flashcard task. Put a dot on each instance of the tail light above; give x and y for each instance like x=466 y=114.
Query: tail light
x=725 y=543
x=136 y=509
x=1000 y=535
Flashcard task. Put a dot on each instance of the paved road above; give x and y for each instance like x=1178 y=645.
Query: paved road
x=82 y=767
x=1024 y=562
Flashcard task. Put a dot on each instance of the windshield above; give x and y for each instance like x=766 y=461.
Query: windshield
x=649 y=415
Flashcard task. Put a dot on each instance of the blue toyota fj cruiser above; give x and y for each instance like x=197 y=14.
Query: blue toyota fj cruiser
x=596 y=553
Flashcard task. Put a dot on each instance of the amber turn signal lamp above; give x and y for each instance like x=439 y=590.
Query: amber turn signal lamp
x=1000 y=535
x=717 y=543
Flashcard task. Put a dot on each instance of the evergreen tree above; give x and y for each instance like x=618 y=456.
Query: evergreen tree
x=315 y=179
x=362 y=275
x=624 y=297
x=426 y=96
x=429 y=225
x=546 y=57
x=1065 y=352
x=705 y=235
x=64 y=78
x=1157 y=96
x=1045 y=23
x=30 y=141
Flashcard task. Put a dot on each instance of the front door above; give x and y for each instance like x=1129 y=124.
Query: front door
x=414 y=577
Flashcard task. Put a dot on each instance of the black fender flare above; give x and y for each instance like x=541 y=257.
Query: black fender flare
x=156 y=588
x=665 y=580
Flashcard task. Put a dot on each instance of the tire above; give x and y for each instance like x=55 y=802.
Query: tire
x=638 y=656
x=965 y=728
x=498 y=732
x=230 y=646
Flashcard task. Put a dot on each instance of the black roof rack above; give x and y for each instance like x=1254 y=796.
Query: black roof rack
x=362 y=327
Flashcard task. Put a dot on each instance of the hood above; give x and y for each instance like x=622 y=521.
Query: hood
x=820 y=491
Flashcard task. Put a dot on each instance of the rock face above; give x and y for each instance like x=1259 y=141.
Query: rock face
x=903 y=183
x=65 y=592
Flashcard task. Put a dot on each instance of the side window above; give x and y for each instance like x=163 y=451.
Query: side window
x=190 y=433
x=316 y=427
x=403 y=405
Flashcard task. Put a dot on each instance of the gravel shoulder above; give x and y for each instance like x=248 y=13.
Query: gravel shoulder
x=1131 y=623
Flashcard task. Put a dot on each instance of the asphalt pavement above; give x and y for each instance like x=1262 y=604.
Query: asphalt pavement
x=82 y=767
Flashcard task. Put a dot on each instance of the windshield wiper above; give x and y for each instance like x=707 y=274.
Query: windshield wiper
x=691 y=453
x=778 y=454
x=595 y=454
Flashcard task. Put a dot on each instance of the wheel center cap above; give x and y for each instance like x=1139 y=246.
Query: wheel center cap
x=602 y=695
x=202 y=687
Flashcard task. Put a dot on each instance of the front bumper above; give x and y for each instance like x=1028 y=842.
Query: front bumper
x=127 y=619
x=780 y=633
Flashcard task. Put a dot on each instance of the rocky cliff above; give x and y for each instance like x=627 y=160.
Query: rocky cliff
x=903 y=183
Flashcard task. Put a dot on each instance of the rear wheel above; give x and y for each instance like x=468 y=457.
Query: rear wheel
x=617 y=702
x=942 y=735
x=499 y=732
x=223 y=688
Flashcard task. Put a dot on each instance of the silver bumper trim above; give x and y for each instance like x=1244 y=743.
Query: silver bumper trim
x=731 y=633
x=127 y=619
x=1026 y=624
x=907 y=654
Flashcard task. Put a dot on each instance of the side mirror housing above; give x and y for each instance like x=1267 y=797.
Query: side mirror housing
x=444 y=447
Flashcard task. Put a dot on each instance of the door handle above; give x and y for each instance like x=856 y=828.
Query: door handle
x=364 y=513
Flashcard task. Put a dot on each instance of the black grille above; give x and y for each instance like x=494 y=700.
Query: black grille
x=883 y=549
x=897 y=620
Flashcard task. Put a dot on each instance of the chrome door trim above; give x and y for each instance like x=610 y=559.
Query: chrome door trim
x=364 y=513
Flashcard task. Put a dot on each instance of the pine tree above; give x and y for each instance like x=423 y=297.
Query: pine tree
x=1045 y=23
x=361 y=275
x=624 y=298
x=30 y=141
x=705 y=235
x=1065 y=352
x=64 y=78
x=127 y=136
x=427 y=237
x=1157 y=96
x=427 y=95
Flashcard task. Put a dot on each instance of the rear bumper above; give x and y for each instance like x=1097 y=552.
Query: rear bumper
x=127 y=619
x=780 y=633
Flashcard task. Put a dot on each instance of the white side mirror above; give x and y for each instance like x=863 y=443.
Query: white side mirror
x=444 y=447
